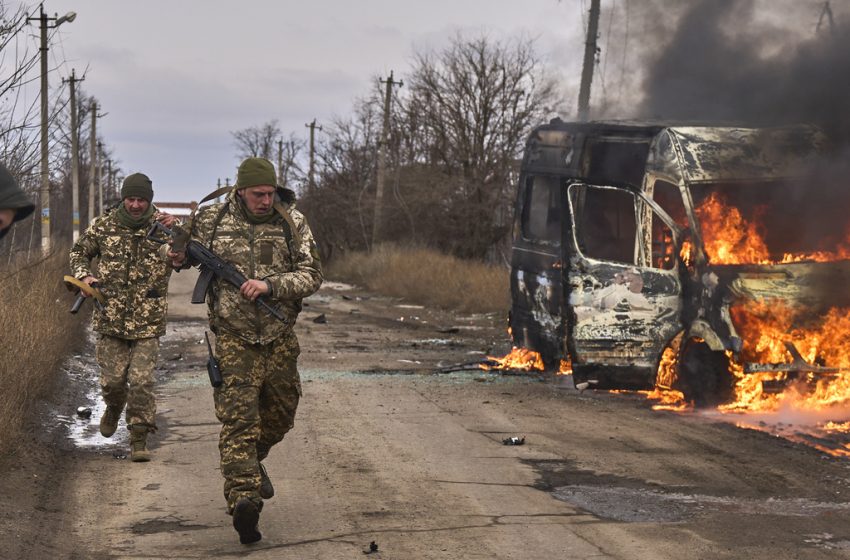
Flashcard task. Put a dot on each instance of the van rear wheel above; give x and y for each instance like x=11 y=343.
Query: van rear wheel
x=703 y=375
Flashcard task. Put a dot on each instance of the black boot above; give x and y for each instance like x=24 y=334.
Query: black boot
x=246 y=515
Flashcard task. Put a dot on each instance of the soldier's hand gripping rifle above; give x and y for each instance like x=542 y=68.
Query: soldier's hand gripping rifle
x=84 y=289
x=210 y=265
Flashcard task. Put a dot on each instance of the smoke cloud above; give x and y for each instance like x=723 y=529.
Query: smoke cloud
x=726 y=61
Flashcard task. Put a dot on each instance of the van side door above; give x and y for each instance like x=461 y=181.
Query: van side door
x=537 y=266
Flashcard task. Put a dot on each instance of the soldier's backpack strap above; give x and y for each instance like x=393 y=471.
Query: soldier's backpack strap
x=217 y=221
x=289 y=228
x=215 y=194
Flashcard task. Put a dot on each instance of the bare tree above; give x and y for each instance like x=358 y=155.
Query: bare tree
x=460 y=132
x=18 y=118
x=257 y=141
x=457 y=133
x=340 y=209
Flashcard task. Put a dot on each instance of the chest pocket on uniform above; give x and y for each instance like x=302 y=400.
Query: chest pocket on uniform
x=266 y=252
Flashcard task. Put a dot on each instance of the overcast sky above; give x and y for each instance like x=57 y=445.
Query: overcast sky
x=177 y=76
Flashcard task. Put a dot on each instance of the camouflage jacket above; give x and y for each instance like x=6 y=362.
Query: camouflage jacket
x=133 y=274
x=287 y=260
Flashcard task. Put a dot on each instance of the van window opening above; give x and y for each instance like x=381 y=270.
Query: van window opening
x=541 y=219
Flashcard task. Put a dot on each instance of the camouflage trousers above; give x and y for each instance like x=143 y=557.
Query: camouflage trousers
x=126 y=377
x=256 y=406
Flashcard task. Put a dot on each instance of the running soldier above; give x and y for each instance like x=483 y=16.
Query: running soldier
x=258 y=230
x=132 y=274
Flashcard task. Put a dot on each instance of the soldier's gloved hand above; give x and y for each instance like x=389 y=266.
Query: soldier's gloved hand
x=252 y=289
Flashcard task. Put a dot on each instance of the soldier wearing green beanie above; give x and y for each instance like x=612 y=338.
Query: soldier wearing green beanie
x=132 y=273
x=257 y=229
x=137 y=185
x=14 y=204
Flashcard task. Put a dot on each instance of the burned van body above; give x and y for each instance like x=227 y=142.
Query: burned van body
x=615 y=261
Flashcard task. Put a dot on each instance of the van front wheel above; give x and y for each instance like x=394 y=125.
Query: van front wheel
x=703 y=375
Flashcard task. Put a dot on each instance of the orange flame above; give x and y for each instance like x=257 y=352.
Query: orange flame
x=730 y=239
x=518 y=358
x=765 y=328
x=687 y=252
x=666 y=398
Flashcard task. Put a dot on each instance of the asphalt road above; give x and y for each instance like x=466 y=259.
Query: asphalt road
x=385 y=450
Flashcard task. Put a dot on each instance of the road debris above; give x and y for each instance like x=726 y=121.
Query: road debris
x=321 y=319
x=514 y=440
x=84 y=412
x=373 y=547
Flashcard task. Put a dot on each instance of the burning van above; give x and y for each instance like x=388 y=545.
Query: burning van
x=689 y=257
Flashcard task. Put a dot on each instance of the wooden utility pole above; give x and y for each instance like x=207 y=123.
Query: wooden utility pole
x=109 y=192
x=311 y=172
x=44 y=192
x=382 y=160
x=92 y=160
x=100 y=177
x=75 y=157
x=589 y=59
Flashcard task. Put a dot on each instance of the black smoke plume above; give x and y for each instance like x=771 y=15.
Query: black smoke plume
x=715 y=68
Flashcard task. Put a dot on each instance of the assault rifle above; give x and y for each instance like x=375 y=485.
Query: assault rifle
x=210 y=265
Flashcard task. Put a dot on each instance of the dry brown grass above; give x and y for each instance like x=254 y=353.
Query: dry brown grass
x=37 y=334
x=427 y=277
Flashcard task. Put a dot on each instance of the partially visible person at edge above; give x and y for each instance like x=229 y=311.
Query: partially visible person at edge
x=259 y=230
x=132 y=273
x=14 y=204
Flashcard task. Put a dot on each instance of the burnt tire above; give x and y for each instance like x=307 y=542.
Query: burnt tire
x=703 y=375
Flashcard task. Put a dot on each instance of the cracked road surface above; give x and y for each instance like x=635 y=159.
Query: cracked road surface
x=386 y=450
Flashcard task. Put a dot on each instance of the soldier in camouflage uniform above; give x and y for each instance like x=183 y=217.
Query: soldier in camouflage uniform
x=132 y=274
x=14 y=204
x=257 y=229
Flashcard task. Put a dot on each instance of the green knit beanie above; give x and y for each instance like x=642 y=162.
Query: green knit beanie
x=255 y=171
x=12 y=197
x=137 y=184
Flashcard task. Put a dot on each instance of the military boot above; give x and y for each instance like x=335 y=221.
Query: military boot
x=109 y=421
x=266 y=488
x=138 y=440
x=246 y=515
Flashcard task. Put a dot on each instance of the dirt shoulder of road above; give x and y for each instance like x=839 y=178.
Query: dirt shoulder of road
x=386 y=448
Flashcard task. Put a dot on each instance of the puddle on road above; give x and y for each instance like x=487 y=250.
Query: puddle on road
x=340 y=286
x=83 y=374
